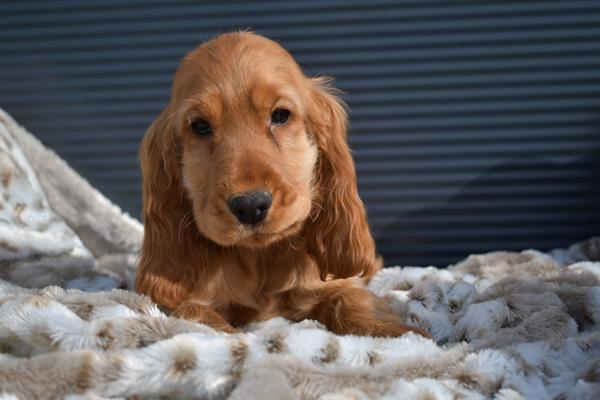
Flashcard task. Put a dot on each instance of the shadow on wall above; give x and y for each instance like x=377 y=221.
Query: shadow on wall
x=503 y=209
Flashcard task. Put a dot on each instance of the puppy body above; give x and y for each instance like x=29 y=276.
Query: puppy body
x=242 y=119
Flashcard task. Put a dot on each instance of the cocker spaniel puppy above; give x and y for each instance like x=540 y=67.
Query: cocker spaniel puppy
x=250 y=203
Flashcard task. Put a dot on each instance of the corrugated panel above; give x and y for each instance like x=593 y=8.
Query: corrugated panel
x=475 y=125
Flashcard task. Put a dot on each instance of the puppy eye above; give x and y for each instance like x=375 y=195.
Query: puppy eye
x=280 y=116
x=201 y=127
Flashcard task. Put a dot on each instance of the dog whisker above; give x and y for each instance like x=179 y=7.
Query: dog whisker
x=314 y=214
x=174 y=114
x=181 y=228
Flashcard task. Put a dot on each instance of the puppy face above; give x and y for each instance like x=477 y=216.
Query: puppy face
x=247 y=161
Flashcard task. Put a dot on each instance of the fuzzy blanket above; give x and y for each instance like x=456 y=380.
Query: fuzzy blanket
x=506 y=325
x=56 y=229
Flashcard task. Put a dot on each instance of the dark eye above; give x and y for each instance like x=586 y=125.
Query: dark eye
x=201 y=127
x=280 y=116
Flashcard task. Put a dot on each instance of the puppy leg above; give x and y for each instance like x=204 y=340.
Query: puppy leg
x=346 y=308
x=194 y=311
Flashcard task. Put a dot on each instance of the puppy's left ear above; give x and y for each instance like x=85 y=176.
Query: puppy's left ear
x=337 y=233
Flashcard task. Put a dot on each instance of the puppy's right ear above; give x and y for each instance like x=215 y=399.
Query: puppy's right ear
x=159 y=162
x=164 y=205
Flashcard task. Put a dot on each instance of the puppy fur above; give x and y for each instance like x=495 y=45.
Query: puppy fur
x=309 y=257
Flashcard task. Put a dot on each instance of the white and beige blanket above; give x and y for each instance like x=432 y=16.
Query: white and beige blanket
x=506 y=325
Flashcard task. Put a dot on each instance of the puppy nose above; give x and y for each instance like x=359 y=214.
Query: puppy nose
x=251 y=207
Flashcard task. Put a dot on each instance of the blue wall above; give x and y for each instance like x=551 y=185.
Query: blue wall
x=475 y=124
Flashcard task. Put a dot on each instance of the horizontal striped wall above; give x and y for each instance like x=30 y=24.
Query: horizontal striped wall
x=475 y=125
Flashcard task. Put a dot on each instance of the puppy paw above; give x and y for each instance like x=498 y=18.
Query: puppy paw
x=420 y=331
x=204 y=315
x=396 y=330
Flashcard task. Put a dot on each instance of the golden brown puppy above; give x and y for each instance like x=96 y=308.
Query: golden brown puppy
x=250 y=199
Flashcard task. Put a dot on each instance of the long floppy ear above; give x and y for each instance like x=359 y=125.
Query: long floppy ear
x=337 y=234
x=161 y=273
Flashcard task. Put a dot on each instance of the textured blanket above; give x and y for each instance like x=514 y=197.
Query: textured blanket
x=54 y=227
x=505 y=325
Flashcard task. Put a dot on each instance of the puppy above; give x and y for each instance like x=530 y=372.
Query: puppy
x=251 y=209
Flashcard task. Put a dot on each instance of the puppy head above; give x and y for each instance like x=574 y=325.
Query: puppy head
x=247 y=160
x=252 y=149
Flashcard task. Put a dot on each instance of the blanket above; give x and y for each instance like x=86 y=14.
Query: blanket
x=505 y=325
x=55 y=228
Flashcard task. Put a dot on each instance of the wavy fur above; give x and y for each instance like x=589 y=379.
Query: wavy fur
x=305 y=259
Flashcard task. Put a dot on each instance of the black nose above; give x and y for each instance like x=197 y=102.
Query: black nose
x=250 y=208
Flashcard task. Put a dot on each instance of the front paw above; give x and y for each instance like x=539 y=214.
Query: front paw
x=226 y=328
x=420 y=331
x=204 y=315
x=387 y=329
